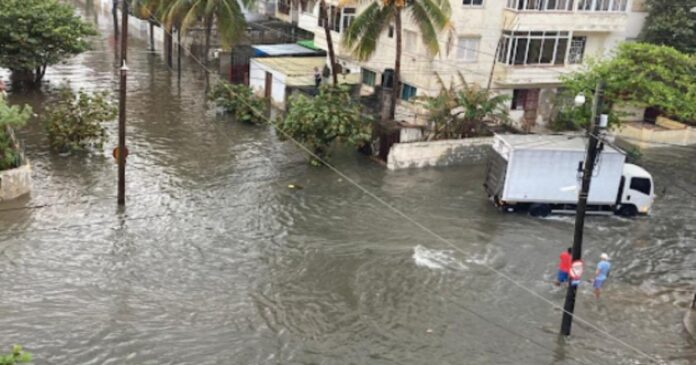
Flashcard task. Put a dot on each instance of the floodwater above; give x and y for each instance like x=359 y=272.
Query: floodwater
x=216 y=261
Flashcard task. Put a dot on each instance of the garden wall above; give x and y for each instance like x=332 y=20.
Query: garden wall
x=439 y=153
x=15 y=182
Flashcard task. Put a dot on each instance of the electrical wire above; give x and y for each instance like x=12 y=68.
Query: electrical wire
x=430 y=231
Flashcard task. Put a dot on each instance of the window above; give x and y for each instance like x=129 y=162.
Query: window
x=410 y=41
x=541 y=5
x=467 y=49
x=533 y=48
x=408 y=92
x=641 y=184
x=339 y=18
x=348 y=17
x=577 y=50
x=472 y=2
x=603 y=5
x=368 y=77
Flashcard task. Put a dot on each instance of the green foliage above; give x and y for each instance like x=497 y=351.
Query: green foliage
x=16 y=356
x=240 y=101
x=10 y=117
x=671 y=23
x=74 y=121
x=639 y=74
x=464 y=111
x=35 y=34
x=330 y=116
x=228 y=14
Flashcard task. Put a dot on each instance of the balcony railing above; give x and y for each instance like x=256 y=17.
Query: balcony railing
x=568 y=5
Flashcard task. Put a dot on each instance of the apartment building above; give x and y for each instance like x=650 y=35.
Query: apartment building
x=521 y=47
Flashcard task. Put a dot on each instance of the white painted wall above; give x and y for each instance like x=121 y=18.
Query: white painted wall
x=257 y=81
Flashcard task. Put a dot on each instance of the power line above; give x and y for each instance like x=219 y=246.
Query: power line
x=428 y=230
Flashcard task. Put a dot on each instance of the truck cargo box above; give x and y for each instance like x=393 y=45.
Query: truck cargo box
x=546 y=169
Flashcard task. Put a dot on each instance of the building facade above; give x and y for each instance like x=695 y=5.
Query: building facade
x=518 y=47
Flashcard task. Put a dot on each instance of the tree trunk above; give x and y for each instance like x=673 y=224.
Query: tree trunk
x=152 y=36
x=114 y=13
x=168 y=46
x=397 y=65
x=208 y=32
x=178 y=52
x=329 y=41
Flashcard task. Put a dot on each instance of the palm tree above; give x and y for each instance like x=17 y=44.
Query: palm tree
x=228 y=14
x=154 y=11
x=323 y=14
x=430 y=16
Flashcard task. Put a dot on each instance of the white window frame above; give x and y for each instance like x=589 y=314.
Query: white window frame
x=543 y=5
x=410 y=45
x=612 y=6
x=470 y=54
x=512 y=38
x=472 y=5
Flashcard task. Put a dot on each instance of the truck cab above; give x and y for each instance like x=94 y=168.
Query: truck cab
x=636 y=191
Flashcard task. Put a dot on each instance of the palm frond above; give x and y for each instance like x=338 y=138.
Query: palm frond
x=428 y=34
x=231 y=22
x=362 y=35
x=438 y=11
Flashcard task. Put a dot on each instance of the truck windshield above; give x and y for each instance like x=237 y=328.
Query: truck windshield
x=641 y=184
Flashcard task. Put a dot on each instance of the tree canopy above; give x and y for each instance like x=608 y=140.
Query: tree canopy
x=671 y=23
x=35 y=34
x=644 y=75
x=319 y=121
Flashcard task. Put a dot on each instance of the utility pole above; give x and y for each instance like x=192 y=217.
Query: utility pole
x=591 y=156
x=122 y=151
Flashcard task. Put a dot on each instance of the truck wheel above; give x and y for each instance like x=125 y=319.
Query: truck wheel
x=628 y=211
x=539 y=210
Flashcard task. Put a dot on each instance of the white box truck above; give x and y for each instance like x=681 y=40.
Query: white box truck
x=542 y=174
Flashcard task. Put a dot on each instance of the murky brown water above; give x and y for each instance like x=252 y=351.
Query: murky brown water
x=216 y=261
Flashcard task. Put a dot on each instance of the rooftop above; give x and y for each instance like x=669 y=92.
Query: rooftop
x=569 y=142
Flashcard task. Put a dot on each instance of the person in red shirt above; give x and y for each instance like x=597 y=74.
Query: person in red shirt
x=564 y=267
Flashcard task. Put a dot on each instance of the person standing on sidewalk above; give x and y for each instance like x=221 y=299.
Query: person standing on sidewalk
x=317 y=77
x=601 y=274
x=565 y=260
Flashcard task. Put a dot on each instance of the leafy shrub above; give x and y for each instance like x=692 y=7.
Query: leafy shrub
x=10 y=117
x=319 y=121
x=464 y=111
x=74 y=121
x=17 y=356
x=240 y=101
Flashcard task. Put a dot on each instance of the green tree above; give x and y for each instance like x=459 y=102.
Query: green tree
x=464 y=110
x=671 y=23
x=430 y=16
x=639 y=74
x=35 y=34
x=320 y=121
x=74 y=120
x=240 y=101
x=227 y=14
x=10 y=117
x=16 y=356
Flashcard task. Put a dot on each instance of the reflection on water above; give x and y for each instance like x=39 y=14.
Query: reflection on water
x=215 y=260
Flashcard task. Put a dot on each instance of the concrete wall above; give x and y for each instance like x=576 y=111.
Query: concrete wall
x=15 y=182
x=636 y=134
x=438 y=153
x=257 y=81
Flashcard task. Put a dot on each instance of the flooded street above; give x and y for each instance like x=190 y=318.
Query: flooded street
x=216 y=261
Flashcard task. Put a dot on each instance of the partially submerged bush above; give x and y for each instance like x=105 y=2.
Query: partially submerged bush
x=240 y=101
x=10 y=117
x=319 y=121
x=74 y=120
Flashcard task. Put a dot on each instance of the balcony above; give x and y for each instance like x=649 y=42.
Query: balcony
x=531 y=75
x=576 y=19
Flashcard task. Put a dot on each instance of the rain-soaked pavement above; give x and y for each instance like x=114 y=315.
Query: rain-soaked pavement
x=216 y=261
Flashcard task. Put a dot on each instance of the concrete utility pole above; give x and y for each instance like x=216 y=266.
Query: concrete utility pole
x=590 y=158
x=121 y=150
